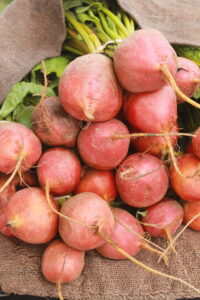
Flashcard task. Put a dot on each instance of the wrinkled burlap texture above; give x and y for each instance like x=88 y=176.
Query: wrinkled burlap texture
x=31 y=30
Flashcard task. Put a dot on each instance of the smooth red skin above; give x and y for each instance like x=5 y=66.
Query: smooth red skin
x=128 y=241
x=16 y=140
x=61 y=169
x=29 y=179
x=99 y=182
x=196 y=143
x=33 y=220
x=189 y=148
x=191 y=209
x=154 y=145
x=166 y=215
x=61 y=263
x=98 y=149
x=186 y=188
x=53 y=125
x=146 y=190
x=89 y=86
x=154 y=112
x=137 y=60
x=186 y=73
x=87 y=208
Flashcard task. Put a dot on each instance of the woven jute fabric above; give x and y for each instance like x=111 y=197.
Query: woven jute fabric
x=178 y=20
x=30 y=31
x=20 y=272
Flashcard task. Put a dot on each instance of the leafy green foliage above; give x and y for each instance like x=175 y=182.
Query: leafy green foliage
x=53 y=65
x=4 y=4
x=17 y=96
x=189 y=52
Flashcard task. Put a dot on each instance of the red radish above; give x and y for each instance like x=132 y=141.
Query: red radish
x=189 y=148
x=99 y=182
x=30 y=218
x=188 y=187
x=154 y=112
x=154 y=145
x=89 y=90
x=20 y=147
x=142 y=180
x=138 y=60
x=164 y=218
x=98 y=147
x=60 y=169
x=196 y=143
x=127 y=240
x=192 y=209
x=61 y=263
x=92 y=215
x=53 y=125
x=26 y=179
x=187 y=77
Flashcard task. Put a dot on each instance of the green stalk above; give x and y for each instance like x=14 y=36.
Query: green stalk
x=121 y=34
x=127 y=23
x=132 y=24
x=74 y=38
x=113 y=35
x=115 y=20
x=109 y=53
x=80 y=30
x=72 y=49
x=92 y=36
x=74 y=43
x=105 y=4
x=100 y=31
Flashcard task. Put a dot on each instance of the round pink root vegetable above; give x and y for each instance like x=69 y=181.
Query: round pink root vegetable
x=164 y=218
x=129 y=240
x=92 y=216
x=195 y=143
x=53 y=125
x=61 y=263
x=101 y=183
x=142 y=180
x=27 y=179
x=188 y=187
x=30 y=218
x=154 y=112
x=20 y=147
x=98 y=146
x=89 y=90
x=191 y=211
x=60 y=169
x=154 y=145
x=138 y=60
x=187 y=77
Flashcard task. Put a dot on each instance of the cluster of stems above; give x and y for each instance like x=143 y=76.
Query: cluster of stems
x=94 y=28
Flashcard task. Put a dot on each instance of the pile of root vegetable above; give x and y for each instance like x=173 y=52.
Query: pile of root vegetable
x=107 y=163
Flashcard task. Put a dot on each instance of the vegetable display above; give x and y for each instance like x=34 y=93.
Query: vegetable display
x=106 y=126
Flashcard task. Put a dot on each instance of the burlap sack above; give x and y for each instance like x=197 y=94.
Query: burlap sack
x=103 y=279
x=31 y=30
x=178 y=20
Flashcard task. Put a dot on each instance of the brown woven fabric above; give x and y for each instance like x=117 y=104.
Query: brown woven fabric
x=177 y=20
x=29 y=32
x=103 y=278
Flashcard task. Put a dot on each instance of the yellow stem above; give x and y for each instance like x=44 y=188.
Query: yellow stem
x=171 y=80
x=137 y=262
x=13 y=174
x=178 y=235
x=63 y=216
